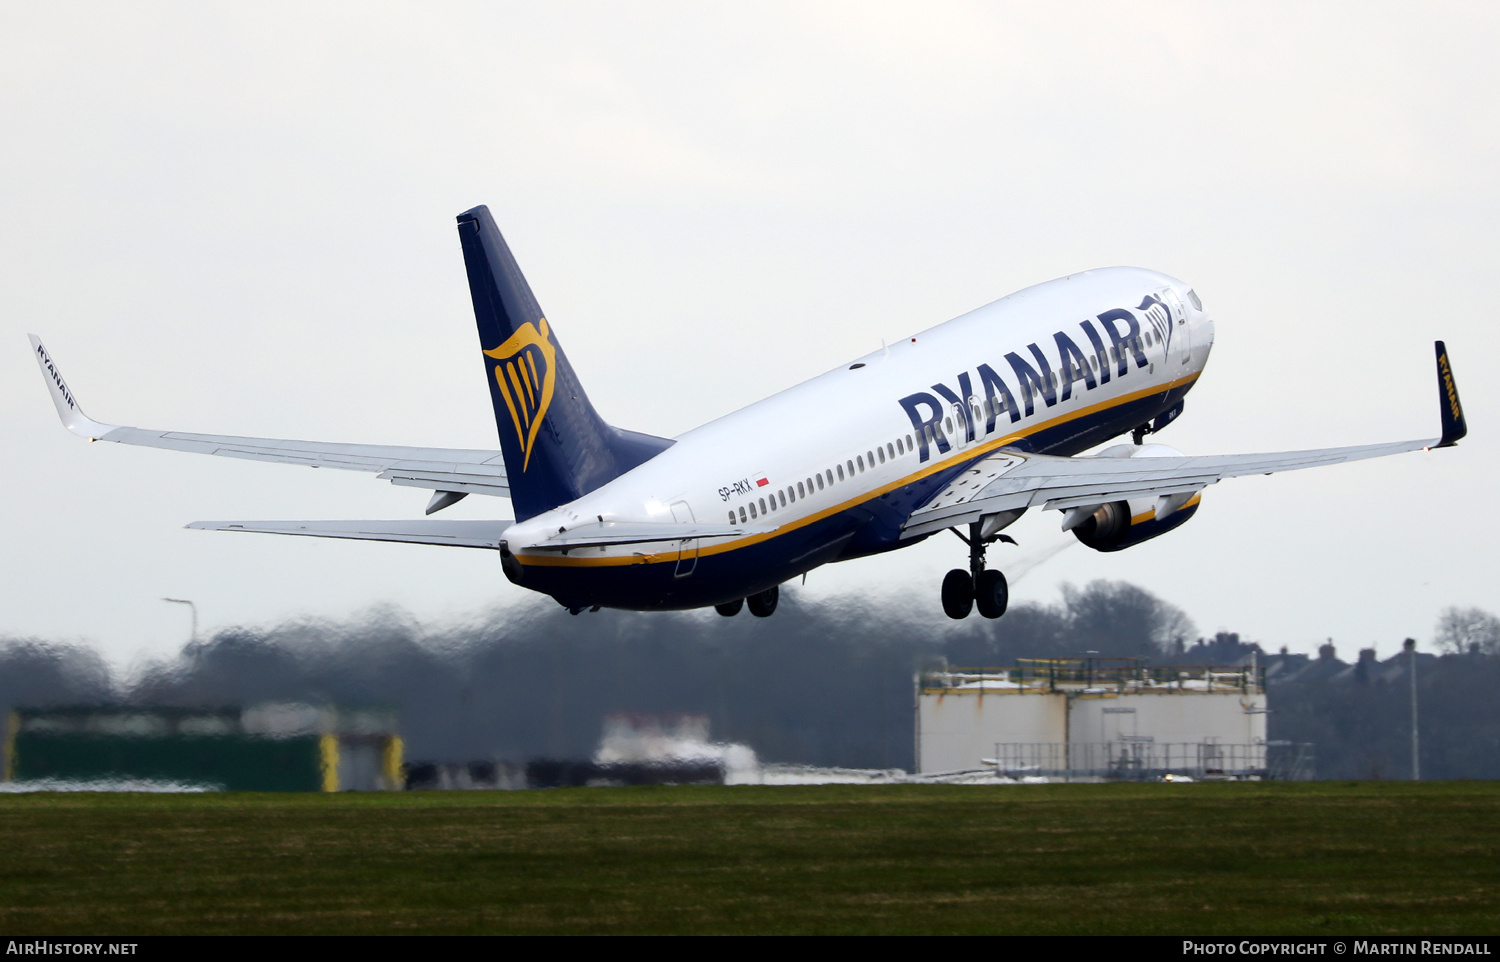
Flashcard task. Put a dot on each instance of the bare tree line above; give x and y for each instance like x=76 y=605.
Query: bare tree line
x=819 y=684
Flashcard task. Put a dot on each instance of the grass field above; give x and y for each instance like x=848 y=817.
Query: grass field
x=1235 y=859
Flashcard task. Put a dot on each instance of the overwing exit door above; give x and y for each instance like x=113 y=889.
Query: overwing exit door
x=687 y=550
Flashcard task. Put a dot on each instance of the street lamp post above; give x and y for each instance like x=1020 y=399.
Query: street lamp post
x=1411 y=653
x=184 y=601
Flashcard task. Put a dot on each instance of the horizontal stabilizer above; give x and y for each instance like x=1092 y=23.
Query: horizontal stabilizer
x=601 y=533
x=458 y=534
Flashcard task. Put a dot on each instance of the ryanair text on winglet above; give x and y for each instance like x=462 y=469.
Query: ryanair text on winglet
x=1448 y=386
x=56 y=377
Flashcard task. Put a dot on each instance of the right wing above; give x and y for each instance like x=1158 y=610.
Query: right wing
x=460 y=470
x=1007 y=480
x=1013 y=480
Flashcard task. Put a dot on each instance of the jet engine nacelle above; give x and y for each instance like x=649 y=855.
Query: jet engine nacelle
x=1120 y=524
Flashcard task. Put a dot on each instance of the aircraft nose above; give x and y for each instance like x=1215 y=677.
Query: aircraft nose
x=1198 y=319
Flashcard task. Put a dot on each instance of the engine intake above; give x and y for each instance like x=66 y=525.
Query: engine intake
x=1121 y=524
x=1106 y=527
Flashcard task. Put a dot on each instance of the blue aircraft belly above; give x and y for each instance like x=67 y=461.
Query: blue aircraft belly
x=868 y=528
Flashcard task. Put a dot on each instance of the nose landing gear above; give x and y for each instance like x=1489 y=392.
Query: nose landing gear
x=979 y=587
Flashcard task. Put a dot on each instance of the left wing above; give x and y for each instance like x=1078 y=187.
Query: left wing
x=460 y=470
x=1011 y=480
x=486 y=534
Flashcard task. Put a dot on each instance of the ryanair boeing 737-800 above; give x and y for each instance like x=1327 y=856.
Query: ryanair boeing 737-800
x=965 y=426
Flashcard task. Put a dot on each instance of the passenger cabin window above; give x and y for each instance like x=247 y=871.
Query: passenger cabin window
x=782 y=496
x=731 y=517
x=880 y=453
x=752 y=510
x=891 y=450
x=861 y=459
x=851 y=468
x=820 y=482
x=742 y=515
x=763 y=506
x=841 y=471
x=908 y=442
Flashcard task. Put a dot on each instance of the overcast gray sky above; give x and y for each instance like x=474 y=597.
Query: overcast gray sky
x=239 y=219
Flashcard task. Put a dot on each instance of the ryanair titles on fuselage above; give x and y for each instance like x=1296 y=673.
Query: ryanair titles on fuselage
x=927 y=409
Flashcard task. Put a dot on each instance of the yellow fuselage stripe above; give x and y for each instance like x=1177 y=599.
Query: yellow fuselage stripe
x=559 y=560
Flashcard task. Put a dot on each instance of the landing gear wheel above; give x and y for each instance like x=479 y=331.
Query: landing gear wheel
x=730 y=608
x=991 y=594
x=958 y=594
x=762 y=604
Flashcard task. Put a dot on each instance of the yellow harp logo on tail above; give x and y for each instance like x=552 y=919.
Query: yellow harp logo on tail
x=526 y=377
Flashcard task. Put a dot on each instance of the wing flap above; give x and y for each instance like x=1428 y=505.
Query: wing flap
x=468 y=480
x=459 y=534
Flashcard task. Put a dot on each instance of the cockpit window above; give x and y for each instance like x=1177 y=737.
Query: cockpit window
x=1193 y=296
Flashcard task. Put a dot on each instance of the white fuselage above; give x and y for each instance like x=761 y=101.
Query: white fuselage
x=851 y=436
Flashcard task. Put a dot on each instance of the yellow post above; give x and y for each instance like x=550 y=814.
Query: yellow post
x=328 y=747
x=391 y=763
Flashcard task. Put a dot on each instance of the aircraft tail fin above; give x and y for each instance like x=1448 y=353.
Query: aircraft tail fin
x=557 y=447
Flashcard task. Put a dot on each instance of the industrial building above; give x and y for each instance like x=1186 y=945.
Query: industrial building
x=265 y=748
x=1093 y=718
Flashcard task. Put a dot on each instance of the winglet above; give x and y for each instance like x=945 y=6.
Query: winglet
x=1449 y=408
x=68 y=409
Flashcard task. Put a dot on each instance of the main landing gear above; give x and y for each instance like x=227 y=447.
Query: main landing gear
x=762 y=603
x=979 y=587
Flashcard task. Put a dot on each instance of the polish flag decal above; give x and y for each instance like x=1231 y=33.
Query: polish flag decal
x=762 y=483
